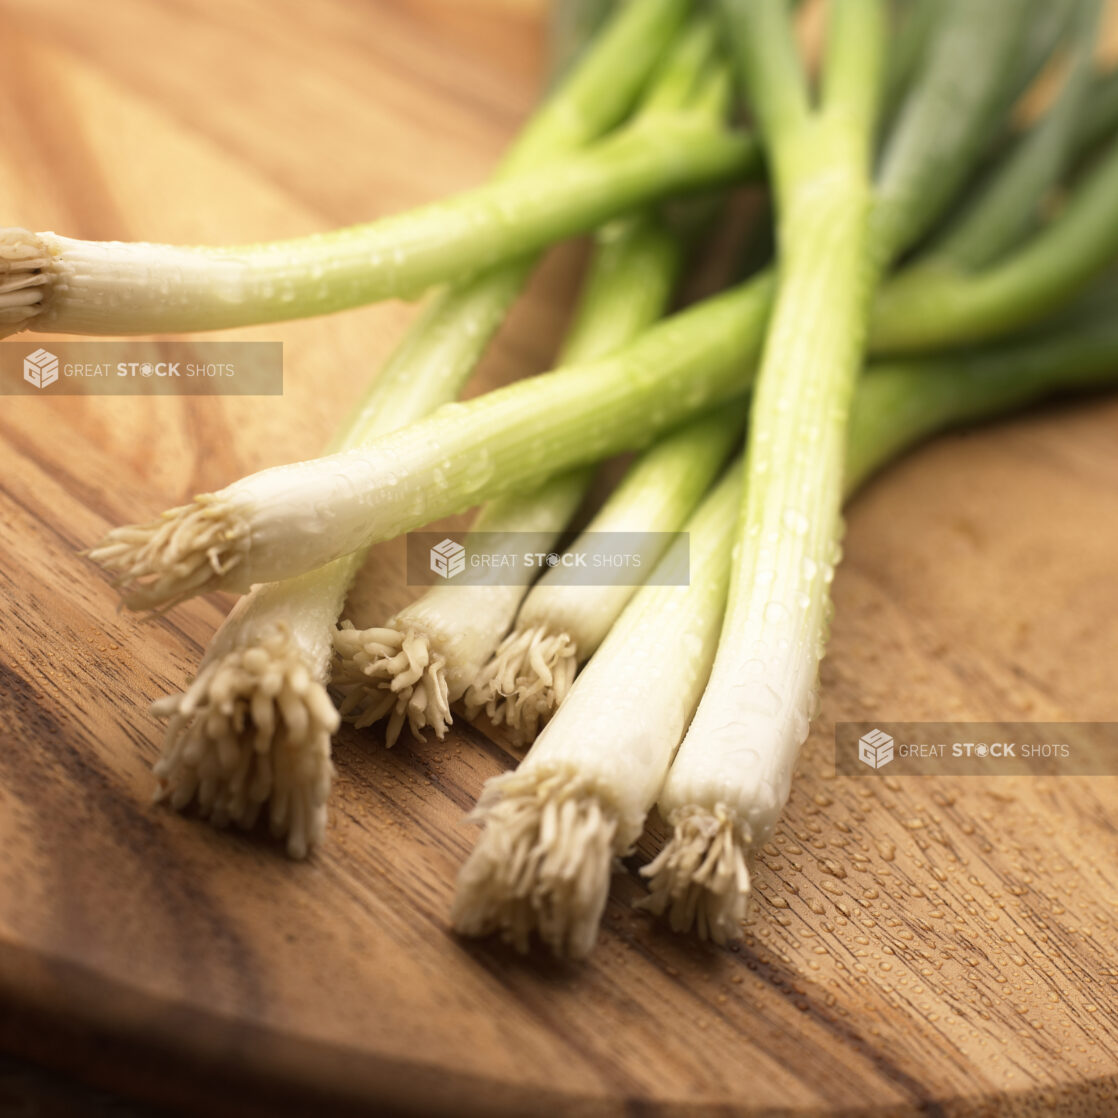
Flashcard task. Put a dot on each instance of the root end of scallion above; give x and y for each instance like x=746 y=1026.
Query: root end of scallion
x=542 y=863
x=250 y=737
x=700 y=879
x=186 y=551
x=525 y=681
x=25 y=278
x=393 y=674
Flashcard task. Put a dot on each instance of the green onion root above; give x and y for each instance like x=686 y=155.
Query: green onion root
x=541 y=865
x=25 y=262
x=251 y=733
x=700 y=879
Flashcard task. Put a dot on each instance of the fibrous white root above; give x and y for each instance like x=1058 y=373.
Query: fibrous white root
x=252 y=732
x=394 y=674
x=175 y=556
x=700 y=878
x=541 y=864
x=526 y=681
x=25 y=278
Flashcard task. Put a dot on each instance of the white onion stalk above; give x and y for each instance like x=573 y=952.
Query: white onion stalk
x=579 y=798
x=700 y=878
x=282 y=522
x=251 y=733
x=109 y=287
x=731 y=777
x=413 y=668
x=560 y=625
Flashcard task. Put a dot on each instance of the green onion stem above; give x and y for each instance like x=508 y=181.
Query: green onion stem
x=701 y=877
x=93 y=287
x=936 y=309
x=731 y=777
x=958 y=95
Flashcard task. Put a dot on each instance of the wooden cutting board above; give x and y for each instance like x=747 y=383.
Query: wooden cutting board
x=918 y=945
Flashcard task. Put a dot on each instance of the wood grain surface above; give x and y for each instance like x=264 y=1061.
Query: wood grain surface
x=917 y=946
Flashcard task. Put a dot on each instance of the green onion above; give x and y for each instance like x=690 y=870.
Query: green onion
x=69 y=286
x=731 y=776
x=966 y=85
x=754 y=713
x=580 y=798
x=252 y=731
x=290 y=519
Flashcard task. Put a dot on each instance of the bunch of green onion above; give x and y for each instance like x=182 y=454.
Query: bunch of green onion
x=935 y=264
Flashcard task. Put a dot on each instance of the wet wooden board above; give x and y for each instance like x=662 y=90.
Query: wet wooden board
x=918 y=945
